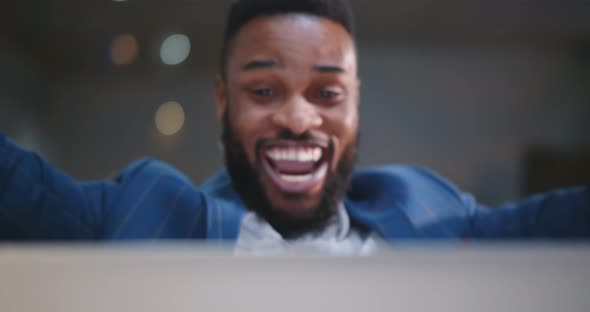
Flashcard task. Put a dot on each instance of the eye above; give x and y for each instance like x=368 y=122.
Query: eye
x=328 y=94
x=263 y=92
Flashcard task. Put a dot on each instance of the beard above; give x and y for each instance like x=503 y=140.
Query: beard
x=246 y=179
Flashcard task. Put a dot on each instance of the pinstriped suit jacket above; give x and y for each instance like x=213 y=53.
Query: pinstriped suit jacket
x=151 y=200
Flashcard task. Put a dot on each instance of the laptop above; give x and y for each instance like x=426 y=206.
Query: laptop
x=190 y=277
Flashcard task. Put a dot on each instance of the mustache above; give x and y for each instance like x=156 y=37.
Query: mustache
x=287 y=136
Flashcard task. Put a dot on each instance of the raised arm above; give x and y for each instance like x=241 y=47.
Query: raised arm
x=39 y=202
x=561 y=214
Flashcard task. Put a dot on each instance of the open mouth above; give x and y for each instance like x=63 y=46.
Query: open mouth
x=295 y=167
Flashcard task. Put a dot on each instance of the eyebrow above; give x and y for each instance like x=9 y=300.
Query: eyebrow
x=259 y=64
x=328 y=69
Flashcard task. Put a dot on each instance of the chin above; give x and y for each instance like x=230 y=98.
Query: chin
x=295 y=205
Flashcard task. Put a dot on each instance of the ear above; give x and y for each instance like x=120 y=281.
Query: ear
x=220 y=97
x=358 y=91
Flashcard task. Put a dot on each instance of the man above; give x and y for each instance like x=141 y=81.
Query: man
x=287 y=96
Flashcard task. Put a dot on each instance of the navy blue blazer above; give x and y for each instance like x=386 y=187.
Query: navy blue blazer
x=151 y=200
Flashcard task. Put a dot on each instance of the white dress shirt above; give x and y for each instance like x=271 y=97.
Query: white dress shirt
x=337 y=238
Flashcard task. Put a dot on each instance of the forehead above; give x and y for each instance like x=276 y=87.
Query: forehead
x=293 y=40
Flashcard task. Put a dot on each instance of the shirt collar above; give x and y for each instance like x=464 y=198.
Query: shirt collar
x=337 y=228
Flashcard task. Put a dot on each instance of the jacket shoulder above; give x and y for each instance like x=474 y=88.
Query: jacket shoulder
x=148 y=167
x=154 y=200
x=431 y=204
x=402 y=179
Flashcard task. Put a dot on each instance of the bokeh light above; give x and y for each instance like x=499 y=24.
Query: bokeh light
x=170 y=118
x=124 y=49
x=175 y=49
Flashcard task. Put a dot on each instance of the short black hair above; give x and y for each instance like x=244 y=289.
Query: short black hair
x=243 y=11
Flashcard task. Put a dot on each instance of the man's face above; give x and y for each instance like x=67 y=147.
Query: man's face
x=290 y=104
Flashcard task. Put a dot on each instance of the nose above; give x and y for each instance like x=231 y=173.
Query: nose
x=298 y=115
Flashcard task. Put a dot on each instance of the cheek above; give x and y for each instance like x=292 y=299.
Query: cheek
x=350 y=123
x=344 y=127
x=248 y=126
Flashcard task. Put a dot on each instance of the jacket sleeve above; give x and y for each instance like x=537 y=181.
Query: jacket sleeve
x=560 y=214
x=39 y=202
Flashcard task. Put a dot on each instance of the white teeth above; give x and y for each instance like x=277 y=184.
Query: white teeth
x=296 y=178
x=316 y=154
x=301 y=155
x=273 y=154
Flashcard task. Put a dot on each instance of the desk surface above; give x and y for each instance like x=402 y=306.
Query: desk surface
x=188 y=278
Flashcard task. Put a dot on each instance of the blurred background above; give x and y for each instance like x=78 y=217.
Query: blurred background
x=494 y=95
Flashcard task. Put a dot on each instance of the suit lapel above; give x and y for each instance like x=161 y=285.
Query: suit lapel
x=389 y=222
